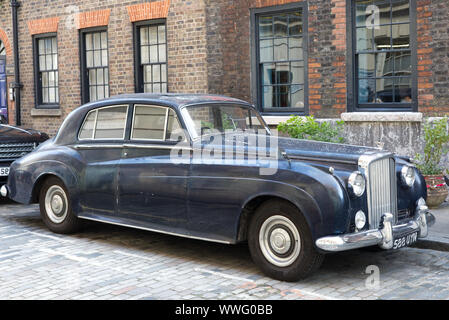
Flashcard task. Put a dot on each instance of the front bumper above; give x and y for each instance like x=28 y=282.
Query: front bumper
x=383 y=237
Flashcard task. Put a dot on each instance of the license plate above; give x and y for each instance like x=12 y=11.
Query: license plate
x=405 y=241
x=4 y=172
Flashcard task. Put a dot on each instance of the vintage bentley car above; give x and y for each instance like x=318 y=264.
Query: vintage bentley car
x=15 y=143
x=156 y=162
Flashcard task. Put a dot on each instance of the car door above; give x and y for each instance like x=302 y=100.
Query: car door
x=100 y=146
x=152 y=188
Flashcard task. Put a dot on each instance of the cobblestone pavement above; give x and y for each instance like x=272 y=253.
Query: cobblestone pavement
x=110 y=262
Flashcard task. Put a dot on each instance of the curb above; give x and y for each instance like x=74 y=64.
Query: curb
x=434 y=241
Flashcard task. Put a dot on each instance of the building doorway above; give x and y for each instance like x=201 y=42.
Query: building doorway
x=3 y=101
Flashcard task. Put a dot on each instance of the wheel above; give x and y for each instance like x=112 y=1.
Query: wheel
x=55 y=207
x=280 y=242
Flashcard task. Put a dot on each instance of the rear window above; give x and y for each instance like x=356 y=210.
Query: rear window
x=107 y=123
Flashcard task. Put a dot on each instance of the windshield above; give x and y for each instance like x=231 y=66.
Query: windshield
x=209 y=119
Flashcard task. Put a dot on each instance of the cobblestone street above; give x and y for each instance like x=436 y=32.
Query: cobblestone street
x=109 y=262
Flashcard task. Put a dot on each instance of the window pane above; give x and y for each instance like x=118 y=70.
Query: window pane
x=93 y=77
x=382 y=37
x=401 y=36
x=147 y=74
x=45 y=79
x=153 y=34
x=280 y=26
x=282 y=73
x=97 y=41
x=363 y=14
x=97 y=58
x=48 y=46
x=385 y=64
x=45 y=95
x=55 y=62
x=104 y=40
x=174 y=130
x=268 y=97
x=295 y=49
x=54 y=45
x=400 y=11
x=89 y=41
x=145 y=54
x=366 y=90
x=90 y=59
x=100 y=78
x=164 y=88
x=295 y=24
x=364 y=38
x=111 y=123
x=366 y=65
x=384 y=11
x=402 y=63
x=156 y=73
x=284 y=96
x=104 y=58
x=384 y=90
x=144 y=35
x=164 y=73
x=161 y=34
x=268 y=73
x=41 y=44
x=153 y=54
x=297 y=72
x=297 y=96
x=51 y=79
x=48 y=62
x=266 y=50
x=156 y=87
x=42 y=63
x=162 y=53
x=403 y=89
x=149 y=123
x=88 y=126
x=100 y=92
x=93 y=93
x=265 y=27
x=280 y=49
x=52 y=95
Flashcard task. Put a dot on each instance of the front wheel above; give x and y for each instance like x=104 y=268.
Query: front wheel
x=280 y=242
x=56 y=211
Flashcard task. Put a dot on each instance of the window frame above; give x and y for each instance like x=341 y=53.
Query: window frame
x=38 y=99
x=138 y=71
x=84 y=71
x=256 y=91
x=352 y=71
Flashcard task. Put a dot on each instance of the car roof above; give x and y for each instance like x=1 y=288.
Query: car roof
x=176 y=100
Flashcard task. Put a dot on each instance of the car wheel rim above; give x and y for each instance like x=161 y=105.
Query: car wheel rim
x=279 y=241
x=56 y=204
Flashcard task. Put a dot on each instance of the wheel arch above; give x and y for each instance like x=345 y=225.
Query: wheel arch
x=305 y=204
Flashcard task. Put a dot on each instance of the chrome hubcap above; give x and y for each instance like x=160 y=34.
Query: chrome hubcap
x=56 y=204
x=279 y=241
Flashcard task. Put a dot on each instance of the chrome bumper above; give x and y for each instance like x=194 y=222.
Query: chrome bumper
x=383 y=237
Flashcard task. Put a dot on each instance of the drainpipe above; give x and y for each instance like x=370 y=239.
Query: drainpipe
x=16 y=85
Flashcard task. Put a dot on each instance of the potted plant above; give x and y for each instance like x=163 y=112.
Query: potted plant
x=436 y=139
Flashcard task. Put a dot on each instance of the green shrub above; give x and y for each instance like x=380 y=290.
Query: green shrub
x=310 y=129
x=436 y=138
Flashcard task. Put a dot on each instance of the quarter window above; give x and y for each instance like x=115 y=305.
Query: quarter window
x=105 y=124
x=95 y=65
x=383 y=54
x=151 y=57
x=155 y=123
x=47 y=75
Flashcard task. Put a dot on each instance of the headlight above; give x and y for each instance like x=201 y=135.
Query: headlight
x=408 y=175
x=360 y=220
x=357 y=183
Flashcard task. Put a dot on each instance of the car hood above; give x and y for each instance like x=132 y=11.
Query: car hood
x=10 y=134
x=322 y=151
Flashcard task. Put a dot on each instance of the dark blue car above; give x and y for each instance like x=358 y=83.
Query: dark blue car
x=208 y=167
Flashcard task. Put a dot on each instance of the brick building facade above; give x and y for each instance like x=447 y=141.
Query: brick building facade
x=317 y=57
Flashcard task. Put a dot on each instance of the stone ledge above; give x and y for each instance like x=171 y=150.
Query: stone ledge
x=46 y=112
x=275 y=120
x=382 y=117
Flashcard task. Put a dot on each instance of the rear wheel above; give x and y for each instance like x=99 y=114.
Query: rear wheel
x=280 y=242
x=56 y=211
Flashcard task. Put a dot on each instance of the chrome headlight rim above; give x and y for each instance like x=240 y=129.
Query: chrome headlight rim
x=354 y=182
x=407 y=179
x=360 y=220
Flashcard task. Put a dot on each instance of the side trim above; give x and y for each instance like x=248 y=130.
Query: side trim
x=292 y=157
x=153 y=230
x=128 y=145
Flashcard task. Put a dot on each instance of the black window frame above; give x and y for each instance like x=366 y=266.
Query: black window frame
x=38 y=99
x=138 y=70
x=84 y=71
x=352 y=71
x=256 y=91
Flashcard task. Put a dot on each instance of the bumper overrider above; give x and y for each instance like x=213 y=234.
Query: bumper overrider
x=384 y=236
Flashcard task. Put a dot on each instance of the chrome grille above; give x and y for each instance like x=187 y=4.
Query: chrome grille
x=12 y=151
x=381 y=190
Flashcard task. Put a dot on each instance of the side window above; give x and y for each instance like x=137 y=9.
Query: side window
x=154 y=123
x=105 y=124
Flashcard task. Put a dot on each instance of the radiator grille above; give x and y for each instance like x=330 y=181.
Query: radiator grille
x=382 y=192
x=12 y=151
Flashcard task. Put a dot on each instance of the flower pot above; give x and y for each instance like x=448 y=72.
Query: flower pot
x=436 y=190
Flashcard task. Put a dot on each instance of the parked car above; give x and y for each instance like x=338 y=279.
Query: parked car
x=15 y=143
x=114 y=161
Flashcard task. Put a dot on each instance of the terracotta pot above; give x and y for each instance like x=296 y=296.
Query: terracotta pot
x=436 y=190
